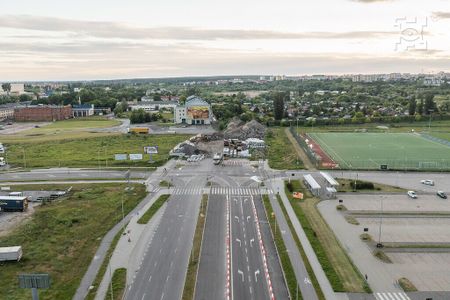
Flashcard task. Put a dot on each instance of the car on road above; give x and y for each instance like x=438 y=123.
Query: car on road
x=9 y=123
x=441 y=194
x=427 y=182
x=412 y=194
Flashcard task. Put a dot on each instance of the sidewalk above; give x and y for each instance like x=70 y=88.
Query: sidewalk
x=131 y=247
x=312 y=258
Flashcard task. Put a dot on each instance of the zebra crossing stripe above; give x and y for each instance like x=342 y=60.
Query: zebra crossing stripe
x=391 y=296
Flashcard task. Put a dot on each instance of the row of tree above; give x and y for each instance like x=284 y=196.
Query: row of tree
x=423 y=107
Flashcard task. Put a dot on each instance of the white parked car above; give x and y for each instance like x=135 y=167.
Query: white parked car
x=427 y=182
x=412 y=194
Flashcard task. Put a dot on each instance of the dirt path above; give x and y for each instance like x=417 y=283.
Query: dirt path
x=306 y=162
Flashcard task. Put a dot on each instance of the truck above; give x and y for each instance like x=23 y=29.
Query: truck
x=13 y=203
x=139 y=130
x=11 y=253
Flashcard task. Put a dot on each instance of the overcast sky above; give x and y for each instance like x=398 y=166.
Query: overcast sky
x=105 y=39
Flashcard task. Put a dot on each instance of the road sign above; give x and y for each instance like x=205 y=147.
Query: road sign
x=34 y=281
x=120 y=157
x=151 y=150
x=137 y=156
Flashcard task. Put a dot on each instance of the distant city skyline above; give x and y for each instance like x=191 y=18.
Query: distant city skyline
x=91 y=40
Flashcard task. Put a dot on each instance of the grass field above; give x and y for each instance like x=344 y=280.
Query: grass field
x=90 y=152
x=62 y=237
x=370 y=150
x=62 y=130
x=281 y=152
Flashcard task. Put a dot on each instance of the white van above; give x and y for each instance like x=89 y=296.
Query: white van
x=2 y=162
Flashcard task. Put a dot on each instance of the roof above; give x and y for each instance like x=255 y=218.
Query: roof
x=146 y=103
x=83 y=106
x=4 y=198
x=312 y=182
x=10 y=249
x=329 y=179
x=194 y=100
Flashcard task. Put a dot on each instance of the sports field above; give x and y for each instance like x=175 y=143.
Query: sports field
x=397 y=150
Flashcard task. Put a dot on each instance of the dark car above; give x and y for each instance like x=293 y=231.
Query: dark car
x=441 y=194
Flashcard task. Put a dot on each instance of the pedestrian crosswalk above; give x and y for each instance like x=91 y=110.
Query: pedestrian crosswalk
x=391 y=296
x=188 y=191
x=235 y=162
x=239 y=191
x=220 y=191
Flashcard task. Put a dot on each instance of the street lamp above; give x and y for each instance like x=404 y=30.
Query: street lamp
x=380 y=245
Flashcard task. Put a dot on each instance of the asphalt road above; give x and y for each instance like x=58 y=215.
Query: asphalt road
x=68 y=173
x=247 y=267
x=211 y=276
x=163 y=271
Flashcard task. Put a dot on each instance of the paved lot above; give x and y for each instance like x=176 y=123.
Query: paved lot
x=428 y=271
x=409 y=230
x=396 y=202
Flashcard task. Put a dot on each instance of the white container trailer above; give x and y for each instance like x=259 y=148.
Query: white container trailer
x=10 y=253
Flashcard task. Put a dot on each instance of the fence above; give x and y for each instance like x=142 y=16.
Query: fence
x=312 y=156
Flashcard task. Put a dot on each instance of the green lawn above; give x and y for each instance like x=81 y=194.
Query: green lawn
x=153 y=209
x=281 y=152
x=91 y=152
x=62 y=237
x=442 y=135
x=397 y=150
x=93 y=122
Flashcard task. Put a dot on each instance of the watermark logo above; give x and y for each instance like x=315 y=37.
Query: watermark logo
x=411 y=32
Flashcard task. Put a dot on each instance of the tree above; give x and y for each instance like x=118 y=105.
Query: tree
x=420 y=108
x=429 y=103
x=6 y=87
x=278 y=106
x=412 y=106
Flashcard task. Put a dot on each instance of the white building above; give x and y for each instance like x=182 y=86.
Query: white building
x=82 y=110
x=154 y=105
x=196 y=111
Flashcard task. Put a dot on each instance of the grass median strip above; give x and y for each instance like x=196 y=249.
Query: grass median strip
x=308 y=267
x=340 y=270
x=191 y=274
x=153 y=209
x=61 y=237
x=281 y=249
x=119 y=281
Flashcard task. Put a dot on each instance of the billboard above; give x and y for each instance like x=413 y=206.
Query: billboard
x=120 y=157
x=137 y=156
x=198 y=112
x=151 y=150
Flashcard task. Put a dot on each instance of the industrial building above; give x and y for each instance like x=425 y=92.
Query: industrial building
x=42 y=113
x=195 y=111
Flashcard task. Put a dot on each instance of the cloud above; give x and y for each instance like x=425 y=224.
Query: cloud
x=371 y=1
x=441 y=14
x=125 y=31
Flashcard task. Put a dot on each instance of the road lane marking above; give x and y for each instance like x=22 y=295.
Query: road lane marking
x=150 y=278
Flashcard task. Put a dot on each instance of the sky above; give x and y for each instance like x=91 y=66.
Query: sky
x=111 y=39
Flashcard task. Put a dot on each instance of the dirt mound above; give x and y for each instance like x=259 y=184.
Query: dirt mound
x=238 y=130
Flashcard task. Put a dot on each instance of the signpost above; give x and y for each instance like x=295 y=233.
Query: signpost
x=151 y=150
x=34 y=282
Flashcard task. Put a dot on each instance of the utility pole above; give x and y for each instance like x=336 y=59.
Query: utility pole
x=429 y=122
x=380 y=245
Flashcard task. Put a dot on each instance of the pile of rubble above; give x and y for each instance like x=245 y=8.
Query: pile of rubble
x=237 y=130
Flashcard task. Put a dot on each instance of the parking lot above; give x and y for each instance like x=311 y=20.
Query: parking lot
x=416 y=233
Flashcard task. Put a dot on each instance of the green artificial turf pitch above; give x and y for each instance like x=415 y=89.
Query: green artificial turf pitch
x=397 y=150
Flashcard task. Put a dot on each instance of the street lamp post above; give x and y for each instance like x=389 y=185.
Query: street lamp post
x=380 y=245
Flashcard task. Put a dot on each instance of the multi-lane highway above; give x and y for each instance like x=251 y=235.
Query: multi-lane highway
x=163 y=269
